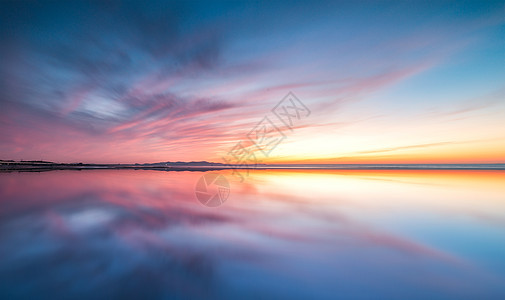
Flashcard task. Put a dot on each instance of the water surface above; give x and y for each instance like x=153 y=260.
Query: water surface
x=297 y=234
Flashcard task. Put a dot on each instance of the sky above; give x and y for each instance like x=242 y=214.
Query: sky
x=135 y=81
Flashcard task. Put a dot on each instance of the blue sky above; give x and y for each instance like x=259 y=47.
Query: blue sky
x=129 y=82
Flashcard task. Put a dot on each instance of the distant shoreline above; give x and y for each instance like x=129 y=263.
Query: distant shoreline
x=41 y=166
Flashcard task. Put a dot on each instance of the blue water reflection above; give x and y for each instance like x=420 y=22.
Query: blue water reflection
x=282 y=234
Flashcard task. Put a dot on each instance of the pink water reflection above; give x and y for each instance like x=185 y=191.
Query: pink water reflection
x=297 y=234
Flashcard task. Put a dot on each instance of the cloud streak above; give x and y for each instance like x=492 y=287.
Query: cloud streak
x=119 y=80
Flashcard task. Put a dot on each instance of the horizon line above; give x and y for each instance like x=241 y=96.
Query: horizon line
x=218 y=163
x=33 y=165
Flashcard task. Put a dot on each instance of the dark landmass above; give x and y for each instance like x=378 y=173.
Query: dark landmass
x=41 y=166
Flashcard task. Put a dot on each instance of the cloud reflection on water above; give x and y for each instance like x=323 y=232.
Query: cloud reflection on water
x=296 y=234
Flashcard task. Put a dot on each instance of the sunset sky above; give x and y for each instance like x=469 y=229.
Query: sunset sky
x=124 y=82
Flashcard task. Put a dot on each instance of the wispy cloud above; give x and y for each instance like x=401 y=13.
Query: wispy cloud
x=405 y=148
x=87 y=80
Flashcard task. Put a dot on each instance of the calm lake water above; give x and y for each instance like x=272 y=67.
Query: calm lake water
x=281 y=234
